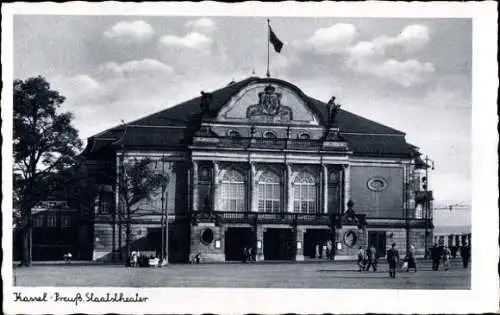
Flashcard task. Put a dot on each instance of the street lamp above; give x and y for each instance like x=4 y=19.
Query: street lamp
x=427 y=199
x=164 y=180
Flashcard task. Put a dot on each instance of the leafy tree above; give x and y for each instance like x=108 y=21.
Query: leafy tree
x=138 y=181
x=45 y=144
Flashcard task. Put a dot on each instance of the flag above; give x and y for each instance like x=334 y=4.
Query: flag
x=273 y=39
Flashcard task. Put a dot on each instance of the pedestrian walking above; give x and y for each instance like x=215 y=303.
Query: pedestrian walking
x=245 y=255
x=436 y=256
x=316 y=251
x=446 y=258
x=329 y=249
x=412 y=261
x=465 y=253
x=361 y=259
x=393 y=260
x=371 y=254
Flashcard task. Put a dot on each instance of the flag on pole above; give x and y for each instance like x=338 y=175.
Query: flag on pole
x=273 y=39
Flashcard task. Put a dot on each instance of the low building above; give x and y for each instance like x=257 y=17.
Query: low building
x=258 y=164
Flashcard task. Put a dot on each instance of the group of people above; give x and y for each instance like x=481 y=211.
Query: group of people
x=443 y=254
x=326 y=251
x=137 y=259
x=367 y=258
x=248 y=254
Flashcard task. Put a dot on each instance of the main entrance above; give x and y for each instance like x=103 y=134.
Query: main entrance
x=378 y=239
x=279 y=244
x=313 y=238
x=235 y=240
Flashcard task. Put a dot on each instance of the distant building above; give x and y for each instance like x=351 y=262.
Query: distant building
x=57 y=230
x=261 y=165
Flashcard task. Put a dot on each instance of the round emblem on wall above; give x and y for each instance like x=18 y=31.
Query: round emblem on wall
x=334 y=177
x=377 y=183
x=350 y=238
x=207 y=236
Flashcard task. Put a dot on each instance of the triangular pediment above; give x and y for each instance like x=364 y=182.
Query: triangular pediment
x=268 y=102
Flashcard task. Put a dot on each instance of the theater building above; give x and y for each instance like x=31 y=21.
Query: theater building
x=261 y=165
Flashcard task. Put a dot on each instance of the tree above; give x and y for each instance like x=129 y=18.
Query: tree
x=138 y=181
x=45 y=144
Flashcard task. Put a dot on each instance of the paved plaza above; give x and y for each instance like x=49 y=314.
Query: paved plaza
x=336 y=275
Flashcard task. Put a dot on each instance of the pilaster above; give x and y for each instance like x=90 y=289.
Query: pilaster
x=215 y=187
x=289 y=191
x=253 y=188
x=347 y=186
x=259 y=255
x=325 y=188
x=195 y=186
x=299 y=253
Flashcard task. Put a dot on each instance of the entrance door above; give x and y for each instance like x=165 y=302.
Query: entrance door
x=314 y=237
x=279 y=244
x=378 y=239
x=235 y=240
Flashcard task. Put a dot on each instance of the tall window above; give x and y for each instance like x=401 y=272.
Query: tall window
x=269 y=192
x=233 y=191
x=51 y=221
x=305 y=193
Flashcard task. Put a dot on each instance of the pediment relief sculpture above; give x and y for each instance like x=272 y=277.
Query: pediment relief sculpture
x=269 y=107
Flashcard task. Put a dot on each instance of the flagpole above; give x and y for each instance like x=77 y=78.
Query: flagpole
x=268 y=35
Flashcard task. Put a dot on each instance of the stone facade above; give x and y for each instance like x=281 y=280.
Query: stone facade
x=265 y=167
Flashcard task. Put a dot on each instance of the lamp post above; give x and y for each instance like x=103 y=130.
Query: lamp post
x=164 y=214
x=427 y=207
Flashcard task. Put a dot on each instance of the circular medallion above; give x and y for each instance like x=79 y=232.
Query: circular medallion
x=334 y=177
x=207 y=236
x=377 y=183
x=350 y=238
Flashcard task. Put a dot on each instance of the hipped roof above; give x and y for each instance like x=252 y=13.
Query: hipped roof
x=173 y=127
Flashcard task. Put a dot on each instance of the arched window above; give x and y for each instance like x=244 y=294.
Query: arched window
x=270 y=135
x=304 y=136
x=305 y=193
x=269 y=192
x=233 y=191
x=234 y=134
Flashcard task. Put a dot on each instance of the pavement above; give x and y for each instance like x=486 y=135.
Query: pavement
x=321 y=274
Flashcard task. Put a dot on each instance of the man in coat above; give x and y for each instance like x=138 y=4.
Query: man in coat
x=393 y=260
x=465 y=252
x=436 y=254
x=372 y=258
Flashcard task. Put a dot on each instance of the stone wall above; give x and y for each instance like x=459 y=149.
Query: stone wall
x=387 y=202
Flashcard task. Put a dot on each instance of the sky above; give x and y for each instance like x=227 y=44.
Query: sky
x=410 y=74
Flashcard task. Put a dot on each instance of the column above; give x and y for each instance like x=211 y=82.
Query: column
x=253 y=188
x=325 y=189
x=289 y=193
x=259 y=255
x=215 y=188
x=195 y=186
x=299 y=254
x=347 y=185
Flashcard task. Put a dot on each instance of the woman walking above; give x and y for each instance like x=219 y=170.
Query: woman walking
x=412 y=261
x=446 y=258
x=393 y=260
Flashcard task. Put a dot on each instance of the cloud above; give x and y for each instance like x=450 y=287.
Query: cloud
x=136 y=67
x=406 y=73
x=202 y=25
x=81 y=86
x=334 y=39
x=193 y=40
x=369 y=57
x=138 y=30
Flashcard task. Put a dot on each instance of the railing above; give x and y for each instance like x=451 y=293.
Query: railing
x=270 y=217
x=268 y=143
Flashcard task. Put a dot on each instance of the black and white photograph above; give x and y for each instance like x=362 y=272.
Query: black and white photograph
x=214 y=157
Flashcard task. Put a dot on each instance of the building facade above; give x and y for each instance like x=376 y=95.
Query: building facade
x=258 y=164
